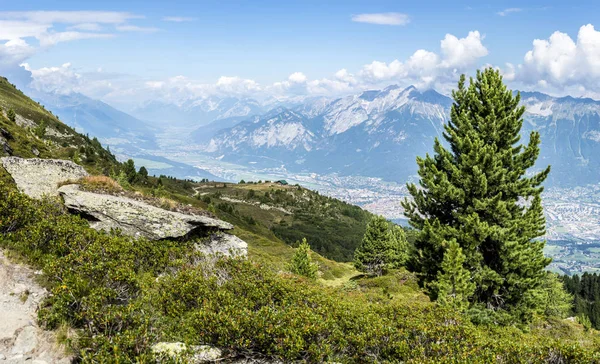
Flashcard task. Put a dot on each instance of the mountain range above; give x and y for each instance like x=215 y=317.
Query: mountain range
x=376 y=133
x=380 y=133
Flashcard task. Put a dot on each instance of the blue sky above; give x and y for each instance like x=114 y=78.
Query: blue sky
x=136 y=48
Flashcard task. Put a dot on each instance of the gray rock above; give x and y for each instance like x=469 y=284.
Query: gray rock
x=26 y=341
x=4 y=146
x=205 y=353
x=2 y=357
x=224 y=244
x=176 y=351
x=5 y=136
x=135 y=218
x=38 y=177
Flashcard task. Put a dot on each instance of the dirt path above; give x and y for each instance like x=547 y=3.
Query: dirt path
x=21 y=340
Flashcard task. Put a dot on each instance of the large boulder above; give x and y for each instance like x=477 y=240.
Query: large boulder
x=135 y=218
x=38 y=177
x=223 y=244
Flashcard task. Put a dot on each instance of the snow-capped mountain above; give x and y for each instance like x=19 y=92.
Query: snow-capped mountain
x=197 y=112
x=380 y=133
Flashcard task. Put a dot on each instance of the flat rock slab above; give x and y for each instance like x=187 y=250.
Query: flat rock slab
x=134 y=218
x=38 y=177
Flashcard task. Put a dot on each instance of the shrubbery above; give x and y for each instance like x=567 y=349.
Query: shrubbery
x=123 y=295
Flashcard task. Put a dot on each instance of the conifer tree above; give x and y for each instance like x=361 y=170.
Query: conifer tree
x=12 y=116
x=381 y=247
x=400 y=249
x=302 y=264
x=478 y=194
x=453 y=286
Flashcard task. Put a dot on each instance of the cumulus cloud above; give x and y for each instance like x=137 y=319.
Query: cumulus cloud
x=14 y=51
x=561 y=61
x=461 y=53
x=382 y=18
x=425 y=68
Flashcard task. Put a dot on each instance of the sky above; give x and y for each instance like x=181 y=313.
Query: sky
x=130 y=52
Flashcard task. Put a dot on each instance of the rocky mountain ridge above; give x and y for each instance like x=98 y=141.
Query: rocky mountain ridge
x=380 y=134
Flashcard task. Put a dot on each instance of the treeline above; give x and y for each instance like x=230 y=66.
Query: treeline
x=586 y=296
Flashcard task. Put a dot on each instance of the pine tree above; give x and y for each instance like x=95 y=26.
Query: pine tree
x=12 y=116
x=382 y=247
x=302 y=264
x=400 y=249
x=453 y=286
x=129 y=169
x=478 y=194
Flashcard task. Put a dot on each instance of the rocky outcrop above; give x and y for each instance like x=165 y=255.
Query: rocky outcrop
x=136 y=218
x=5 y=136
x=21 y=340
x=223 y=244
x=38 y=177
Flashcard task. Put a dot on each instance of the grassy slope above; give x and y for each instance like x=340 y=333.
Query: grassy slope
x=58 y=139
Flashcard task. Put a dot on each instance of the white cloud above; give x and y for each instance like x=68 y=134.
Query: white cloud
x=297 y=77
x=425 y=68
x=14 y=51
x=17 y=27
x=90 y=27
x=50 y=39
x=178 y=19
x=61 y=79
x=508 y=11
x=561 y=62
x=70 y=17
x=382 y=18
x=461 y=53
x=135 y=28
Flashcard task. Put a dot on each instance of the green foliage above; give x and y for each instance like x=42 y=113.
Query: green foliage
x=555 y=300
x=302 y=264
x=40 y=130
x=470 y=194
x=129 y=170
x=584 y=321
x=11 y=115
x=383 y=247
x=454 y=286
x=122 y=295
x=586 y=295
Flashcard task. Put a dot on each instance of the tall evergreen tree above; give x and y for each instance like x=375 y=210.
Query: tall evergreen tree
x=129 y=169
x=478 y=194
x=454 y=285
x=382 y=247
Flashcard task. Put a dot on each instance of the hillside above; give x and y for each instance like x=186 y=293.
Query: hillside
x=36 y=132
x=120 y=297
x=271 y=233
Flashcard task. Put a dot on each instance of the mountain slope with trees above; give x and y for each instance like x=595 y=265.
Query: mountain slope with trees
x=120 y=296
